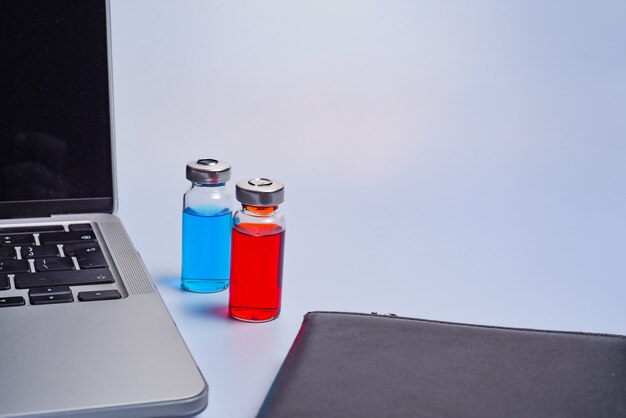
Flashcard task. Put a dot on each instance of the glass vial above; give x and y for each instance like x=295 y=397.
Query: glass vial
x=258 y=240
x=206 y=227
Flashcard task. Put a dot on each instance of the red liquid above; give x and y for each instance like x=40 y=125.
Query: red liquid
x=256 y=271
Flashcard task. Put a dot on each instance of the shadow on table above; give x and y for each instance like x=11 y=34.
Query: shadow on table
x=198 y=304
x=172 y=282
x=208 y=310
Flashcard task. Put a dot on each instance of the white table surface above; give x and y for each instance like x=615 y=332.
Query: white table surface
x=458 y=161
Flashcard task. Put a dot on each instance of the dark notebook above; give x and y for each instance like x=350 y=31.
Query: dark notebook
x=358 y=365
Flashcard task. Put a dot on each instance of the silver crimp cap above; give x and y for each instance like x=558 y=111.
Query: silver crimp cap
x=260 y=191
x=208 y=170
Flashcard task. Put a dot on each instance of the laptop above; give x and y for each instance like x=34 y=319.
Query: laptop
x=83 y=330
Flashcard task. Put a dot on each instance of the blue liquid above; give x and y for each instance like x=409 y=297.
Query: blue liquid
x=206 y=250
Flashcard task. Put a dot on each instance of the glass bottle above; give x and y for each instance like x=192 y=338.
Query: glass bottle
x=258 y=240
x=206 y=227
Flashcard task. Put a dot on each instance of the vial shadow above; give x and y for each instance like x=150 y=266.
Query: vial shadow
x=215 y=311
x=169 y=282
x=206 y=305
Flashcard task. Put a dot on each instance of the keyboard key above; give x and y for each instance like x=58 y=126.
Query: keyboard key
x=61 y=237
x=92 y=261
x=4 y=282
x=50 y=290
x=30 y=229
x=39 y=251
x=80 y=227
x=14 y=266
x=63 y=278
x=79 y=249
x=42 y=300
x=53 y=294
x=17 y=239
x=12 y=301
x=7 y=253
x=98 y=295
x=88 y=254
x=54 y=263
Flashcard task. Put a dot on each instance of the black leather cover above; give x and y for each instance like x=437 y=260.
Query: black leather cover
x=358 y=365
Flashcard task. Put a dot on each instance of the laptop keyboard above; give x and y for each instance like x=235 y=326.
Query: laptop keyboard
x=45 y=261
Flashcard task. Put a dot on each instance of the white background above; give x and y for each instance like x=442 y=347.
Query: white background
x=448 y=160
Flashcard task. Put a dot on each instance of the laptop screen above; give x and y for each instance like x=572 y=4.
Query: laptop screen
x=55 y=128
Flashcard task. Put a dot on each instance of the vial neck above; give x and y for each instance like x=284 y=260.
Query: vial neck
x=197 y=184
x=260 y=210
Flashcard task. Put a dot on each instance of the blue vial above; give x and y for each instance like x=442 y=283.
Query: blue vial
x=207 y=223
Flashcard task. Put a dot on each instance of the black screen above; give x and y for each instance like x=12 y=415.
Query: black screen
x=55 y=131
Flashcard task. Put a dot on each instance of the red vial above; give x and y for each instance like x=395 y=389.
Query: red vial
x=258 y=241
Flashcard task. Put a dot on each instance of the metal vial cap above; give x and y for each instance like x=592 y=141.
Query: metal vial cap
x=260 y=191
x=208 y=170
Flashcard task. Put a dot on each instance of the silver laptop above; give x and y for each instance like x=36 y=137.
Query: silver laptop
x=83 y=330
